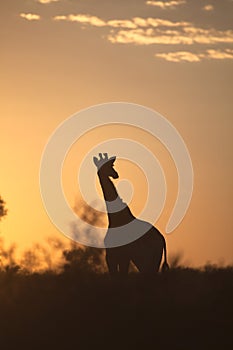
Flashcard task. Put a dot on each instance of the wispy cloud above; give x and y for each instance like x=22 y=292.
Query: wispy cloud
x=157 y=22
x=60 y=18
x=208 y=8
x=30 y=16
x=158 y=31
x=166 y=4
x=187 y=35
x=125 y=23
x=117 y=23
x=148 y=31
x=220 y=55
x=149 y=37
x=179 y=56
x=81 y=18
x=208 y=36
x=46 y=1
x=187 y=56
x=96 y=21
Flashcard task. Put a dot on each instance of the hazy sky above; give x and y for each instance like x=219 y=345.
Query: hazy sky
x=175 y=57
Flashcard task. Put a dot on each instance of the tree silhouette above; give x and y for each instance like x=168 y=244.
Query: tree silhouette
x=3 y=210
x=84 y=260
x=7 y=256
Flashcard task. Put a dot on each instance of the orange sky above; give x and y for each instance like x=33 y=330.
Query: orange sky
x=52 y=68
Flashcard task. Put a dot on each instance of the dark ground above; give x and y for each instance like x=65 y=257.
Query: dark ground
x=180 y=309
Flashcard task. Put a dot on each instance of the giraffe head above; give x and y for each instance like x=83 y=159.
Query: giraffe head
x=105 y=165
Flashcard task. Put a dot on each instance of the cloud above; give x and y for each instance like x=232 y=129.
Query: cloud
x=30 y=16
x=148 y=37
x=167 y=4
x=149 y=31
x=117 y=23
x=81 y=18
x=208 y=36
x=220 y=55
x=208 y=8
x=158 y=32
x=186 y=56
x=86 y=19
x=60 y=18
x=179 y=56
x=46 y=1
x=158 y=22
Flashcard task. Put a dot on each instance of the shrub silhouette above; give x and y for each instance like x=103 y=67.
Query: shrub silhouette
x=83 y=260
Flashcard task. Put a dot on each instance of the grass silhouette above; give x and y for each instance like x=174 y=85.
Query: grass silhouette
x=82 y=308
x=78 y=306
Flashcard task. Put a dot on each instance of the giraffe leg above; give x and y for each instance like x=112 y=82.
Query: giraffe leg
x=124 y=266
x=111 y=262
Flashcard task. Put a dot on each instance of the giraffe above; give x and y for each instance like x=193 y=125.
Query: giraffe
x=145 y=250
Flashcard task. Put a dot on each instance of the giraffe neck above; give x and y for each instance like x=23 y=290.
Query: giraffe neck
x=109 y=190
x=118 y=212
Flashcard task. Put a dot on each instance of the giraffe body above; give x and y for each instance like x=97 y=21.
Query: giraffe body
x=143 y=243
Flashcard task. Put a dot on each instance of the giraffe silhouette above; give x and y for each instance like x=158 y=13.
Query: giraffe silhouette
x=144 y=243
